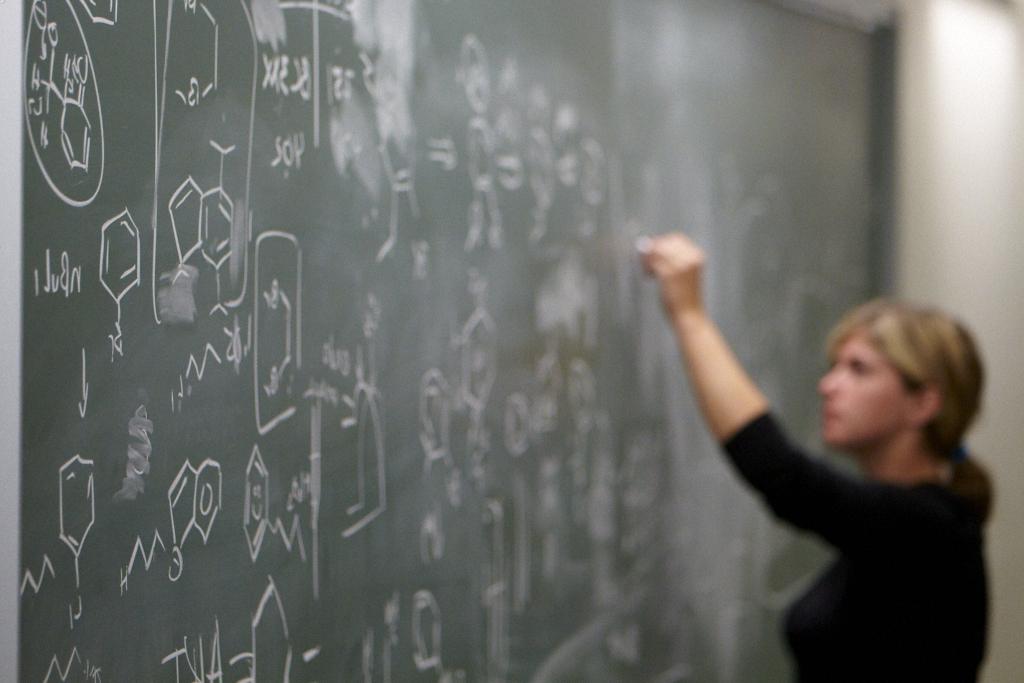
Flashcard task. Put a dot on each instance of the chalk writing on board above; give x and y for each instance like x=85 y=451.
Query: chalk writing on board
x=267 y=659
x=237 y=348
x=62 y=279
x=101 y=11
x=477 y=344
x=218 y=223
x=77 y=492
x=484 y=217
x=139 y=551
x=120 y=266
x=256 y=515
x=195 y=370
x=201 y=80
x=83 y=405
x=191 y=663
x=442 y=151
x=426 y=631
x=36 y=580
x=401 y=193
x=74 y=665
x=495 y=592
x=277 y=350
x=366 y=418
x=517 y=424
x=63 y=114
x=317 y=395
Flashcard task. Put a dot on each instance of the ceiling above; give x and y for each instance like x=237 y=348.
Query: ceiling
x=862 y=13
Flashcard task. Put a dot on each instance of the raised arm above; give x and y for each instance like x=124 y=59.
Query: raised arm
x=727 y=396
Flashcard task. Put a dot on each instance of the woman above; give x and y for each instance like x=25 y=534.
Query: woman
x=906 y=598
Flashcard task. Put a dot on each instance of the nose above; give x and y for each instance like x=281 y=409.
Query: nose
x=827 y=383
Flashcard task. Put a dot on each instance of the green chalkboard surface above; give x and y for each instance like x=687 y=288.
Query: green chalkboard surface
x=338 y=363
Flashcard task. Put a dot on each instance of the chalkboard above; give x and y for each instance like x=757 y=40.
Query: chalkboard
x=338 y=364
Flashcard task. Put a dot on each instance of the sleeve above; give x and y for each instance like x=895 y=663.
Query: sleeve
x=849 y=513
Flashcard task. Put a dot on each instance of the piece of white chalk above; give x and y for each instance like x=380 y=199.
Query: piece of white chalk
x=643 y=245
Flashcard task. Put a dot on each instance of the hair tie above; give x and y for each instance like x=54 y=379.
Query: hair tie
x=959 y=454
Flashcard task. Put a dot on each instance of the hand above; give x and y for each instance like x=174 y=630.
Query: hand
x=678 y=265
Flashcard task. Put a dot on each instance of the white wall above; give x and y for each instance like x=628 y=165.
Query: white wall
x=960 y=243
x=10 y=334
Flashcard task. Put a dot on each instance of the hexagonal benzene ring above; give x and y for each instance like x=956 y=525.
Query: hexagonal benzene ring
x=474 y=74
x=517 y=424
x=271 y=647
x=181 y=499
x=426 y=631
x=120 y=255
x=77 y=502
x=186 y=207
x=276 y=328
x=435 y=417
x=201 y=71
x=217 y=216
x=208 y=497
x=75 y=136
x=101 y=11
x=257 y=487
x=479 y=357
x=194 y=500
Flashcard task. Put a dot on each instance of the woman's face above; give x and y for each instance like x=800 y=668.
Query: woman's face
x=865 y=402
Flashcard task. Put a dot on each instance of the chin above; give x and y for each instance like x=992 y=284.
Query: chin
x=836 y=442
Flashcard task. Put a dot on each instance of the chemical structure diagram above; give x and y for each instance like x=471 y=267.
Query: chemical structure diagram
x=366 y=418
x=434 y=427
x=217 y=221
x=477 y=344
x=400 y=185
x=382 y=84
x=194 y=500
x=120 y=265
x=62 y=101
x=203 y=222
x=277 y=318
x=381 y=640
x=201 y=74
x=267 y=660
x=317 y=394
x=256 y=513
x=485 y=221
x=101 y=11
x=77 y=501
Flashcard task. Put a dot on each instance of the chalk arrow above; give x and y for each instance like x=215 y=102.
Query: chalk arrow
x=442 y=151
x=84 y=403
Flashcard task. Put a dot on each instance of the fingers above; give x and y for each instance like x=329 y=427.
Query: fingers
x=664 y=255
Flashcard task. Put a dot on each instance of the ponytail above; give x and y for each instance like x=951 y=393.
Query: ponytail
x=972 y=482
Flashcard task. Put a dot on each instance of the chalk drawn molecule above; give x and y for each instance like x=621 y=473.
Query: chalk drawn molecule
x=217 y=216
x=101 y=11
x=203 y=31
x=257 y=483
x=63 y=114
x=271 y=655
x=77 y=504
x=120 y=255
x=186 y=210
x=194 y=499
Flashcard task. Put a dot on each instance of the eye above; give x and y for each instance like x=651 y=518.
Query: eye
x=859 y=367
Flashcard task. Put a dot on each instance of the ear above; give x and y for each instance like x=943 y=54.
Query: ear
x=925 y=405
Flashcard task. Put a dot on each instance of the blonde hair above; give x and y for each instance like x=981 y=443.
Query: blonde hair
x=930 y=348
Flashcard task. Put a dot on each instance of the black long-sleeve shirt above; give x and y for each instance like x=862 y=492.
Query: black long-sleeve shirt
x=906 y=600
